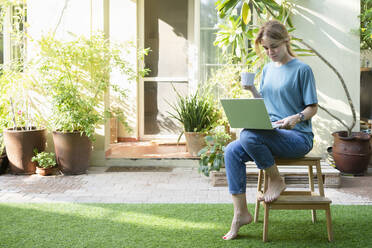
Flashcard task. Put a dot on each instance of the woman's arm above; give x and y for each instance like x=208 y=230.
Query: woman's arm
x=291 y=121
x=252 y=89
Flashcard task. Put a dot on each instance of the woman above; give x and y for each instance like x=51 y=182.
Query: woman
x=288 y=89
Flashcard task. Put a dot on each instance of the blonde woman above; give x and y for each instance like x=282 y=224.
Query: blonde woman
x=288 y=89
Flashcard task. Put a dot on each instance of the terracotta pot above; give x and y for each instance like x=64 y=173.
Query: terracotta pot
x=351 y=154
x=194 y=142
x=20 y=145
x=45 y=171
x=73 y=152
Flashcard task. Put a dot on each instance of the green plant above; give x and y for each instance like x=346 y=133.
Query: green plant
x=44 y=159
x=237 y=31
x=212 y=156
x=76 y=77
x=196 y=112
x=366 y=24
x=17 y=106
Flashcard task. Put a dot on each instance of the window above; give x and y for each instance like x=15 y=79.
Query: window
x=210 y=56
x=12 y=34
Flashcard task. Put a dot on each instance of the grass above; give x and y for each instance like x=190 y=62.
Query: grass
x=172 y=225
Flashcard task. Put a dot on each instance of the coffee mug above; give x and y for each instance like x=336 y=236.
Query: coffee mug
x=247 y=78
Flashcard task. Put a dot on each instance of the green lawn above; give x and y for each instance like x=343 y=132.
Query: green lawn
x=173 y=225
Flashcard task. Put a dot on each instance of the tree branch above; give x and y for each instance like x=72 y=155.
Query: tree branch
x=338 y=119
x=343 y=85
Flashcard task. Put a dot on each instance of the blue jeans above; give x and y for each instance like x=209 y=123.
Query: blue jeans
x=261 y=146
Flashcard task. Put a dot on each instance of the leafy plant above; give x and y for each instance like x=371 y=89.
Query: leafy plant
x=366 y=24
x=17 y=108
x=196 y=112
x=212 y=156
x=237 y=32
x=76 y=77
x=44 y=159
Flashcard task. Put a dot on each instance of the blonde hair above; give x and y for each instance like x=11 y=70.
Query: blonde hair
x=274 y=30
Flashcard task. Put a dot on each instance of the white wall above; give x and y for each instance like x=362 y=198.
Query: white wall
x=123 y=28
x=326 y=25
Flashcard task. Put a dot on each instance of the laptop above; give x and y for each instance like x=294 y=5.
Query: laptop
x=248 y=113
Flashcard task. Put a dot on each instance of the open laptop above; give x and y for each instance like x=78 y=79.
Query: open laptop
x=247 y=113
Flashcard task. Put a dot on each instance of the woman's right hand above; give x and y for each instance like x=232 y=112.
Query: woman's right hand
x=249 y=87
x=252 y=89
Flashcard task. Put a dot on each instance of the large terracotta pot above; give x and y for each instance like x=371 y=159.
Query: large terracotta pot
x=73 y=152
x=20 y=145
x=194 y=142
x=351 y=154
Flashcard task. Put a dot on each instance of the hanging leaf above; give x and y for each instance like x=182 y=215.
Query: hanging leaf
x=246 y=14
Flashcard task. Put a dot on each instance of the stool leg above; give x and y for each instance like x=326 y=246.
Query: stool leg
x=313 y=215
x=329 y=224
x=311 y=185
x=257 y=208
x=266 y=223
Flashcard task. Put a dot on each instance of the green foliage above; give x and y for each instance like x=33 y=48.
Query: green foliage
x=225 y=82
x=44 y=159
x=17 y=106
x=212 y=156
x=237 y=33
x=76 y=77
x=366 y=24
x=196 y=112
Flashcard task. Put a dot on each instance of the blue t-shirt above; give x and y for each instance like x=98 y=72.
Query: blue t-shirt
x=287 y=90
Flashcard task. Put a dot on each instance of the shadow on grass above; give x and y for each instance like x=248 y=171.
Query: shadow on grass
x=172 y=225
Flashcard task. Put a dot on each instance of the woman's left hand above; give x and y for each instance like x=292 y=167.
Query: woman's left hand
x=289 y=122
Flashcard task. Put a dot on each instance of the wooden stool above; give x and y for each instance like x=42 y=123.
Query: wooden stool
x=296 y=200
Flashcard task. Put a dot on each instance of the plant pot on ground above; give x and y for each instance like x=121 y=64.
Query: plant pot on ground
x=45 y=162
x=351 y=153
x=73 y=150
x=198 y=114
x=19 y=119
x=20 y=144
x=76 y=76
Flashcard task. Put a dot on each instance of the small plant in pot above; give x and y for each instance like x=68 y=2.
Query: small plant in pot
x=46 y=162
x=198 y=114
x=212 y=155
x=76 y=76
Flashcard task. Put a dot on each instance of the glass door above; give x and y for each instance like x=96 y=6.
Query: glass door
x=165 y=32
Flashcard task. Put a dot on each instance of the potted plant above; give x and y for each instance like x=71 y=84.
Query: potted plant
x=76 y=76
x=46 y=162
x=212 y=155
x=19 y=122
x=198 y=115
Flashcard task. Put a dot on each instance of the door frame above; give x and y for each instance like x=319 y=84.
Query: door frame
x=193 y=63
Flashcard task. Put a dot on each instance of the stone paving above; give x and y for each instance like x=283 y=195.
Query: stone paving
x=181 y=185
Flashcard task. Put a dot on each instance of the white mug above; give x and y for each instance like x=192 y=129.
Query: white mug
x=247 y=78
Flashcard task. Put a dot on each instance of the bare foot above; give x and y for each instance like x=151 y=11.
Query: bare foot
x=237 y=222
x=275 y=188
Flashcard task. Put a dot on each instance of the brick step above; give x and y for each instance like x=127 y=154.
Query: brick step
x=294 y=176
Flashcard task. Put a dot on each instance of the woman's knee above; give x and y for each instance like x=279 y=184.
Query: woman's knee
x=231 y=149
x=250 y=137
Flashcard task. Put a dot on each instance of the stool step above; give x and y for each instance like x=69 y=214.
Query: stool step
x=301 y=199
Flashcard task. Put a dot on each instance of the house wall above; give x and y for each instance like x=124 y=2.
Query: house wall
x=326 y=25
